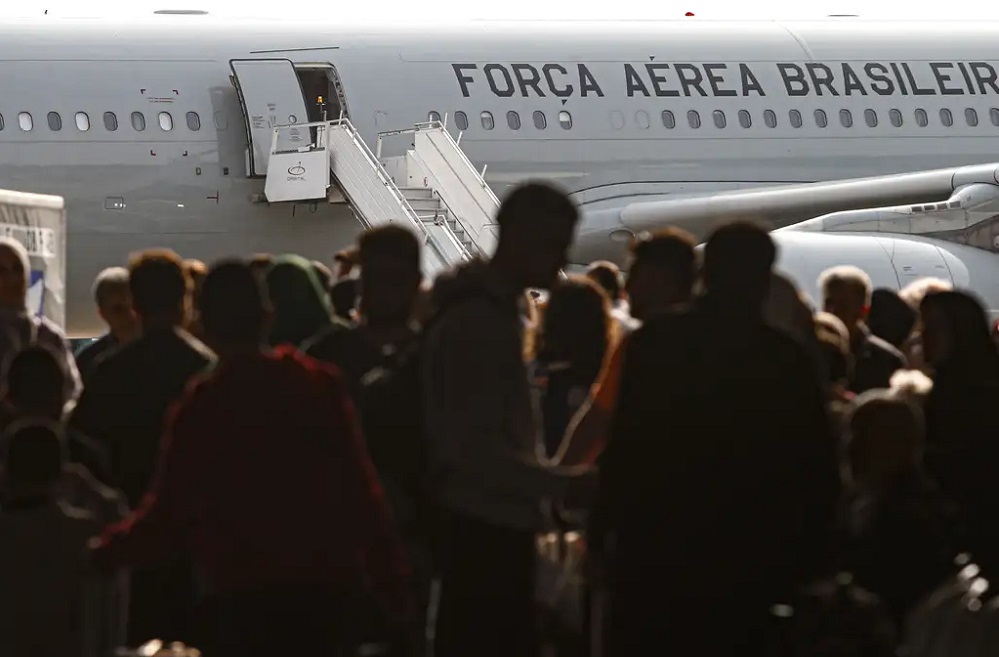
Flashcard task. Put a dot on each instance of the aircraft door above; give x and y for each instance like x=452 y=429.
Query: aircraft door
x=270 y=94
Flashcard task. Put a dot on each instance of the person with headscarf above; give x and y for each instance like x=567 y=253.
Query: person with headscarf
x=962 y=427
x=19 y=326
x=301 y=306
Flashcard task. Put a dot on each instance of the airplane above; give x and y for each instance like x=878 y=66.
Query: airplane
x=142 y=125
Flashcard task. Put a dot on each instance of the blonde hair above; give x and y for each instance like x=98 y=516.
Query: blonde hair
x=914 y=293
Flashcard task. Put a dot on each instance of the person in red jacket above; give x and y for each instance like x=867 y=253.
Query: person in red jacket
x=263 y=476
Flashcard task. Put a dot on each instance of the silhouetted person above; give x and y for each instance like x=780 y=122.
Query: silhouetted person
x=53 y=603
x=124 y=408
x=36 y=388
x=482 y=430
x=114 y=304
x=19 y=327
x=891 y=318
x=719 y=482
x=389 y=283
x=901 y=535
x=265 y=478
x=846 y=293
x=301 y=307
x=575 y=337
x=962 y=425
x=660 y=281
x=608 y=276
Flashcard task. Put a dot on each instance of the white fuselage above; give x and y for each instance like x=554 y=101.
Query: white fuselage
x=630 y=111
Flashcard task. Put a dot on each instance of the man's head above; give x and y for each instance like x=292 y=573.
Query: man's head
x=343 y=298
x=35 y=382
x=235 y=312
x=608 y=276
x=345 y=263
x=663 y=270
x=891 y=318
x=846 y=293
x=34 y=455
x=390 y=274
x=161 y=288
x=15 y=268
x=738 y=261
x=536 y=227
x=114 y=302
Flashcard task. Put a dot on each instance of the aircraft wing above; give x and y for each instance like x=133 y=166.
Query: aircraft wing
x=897 y=228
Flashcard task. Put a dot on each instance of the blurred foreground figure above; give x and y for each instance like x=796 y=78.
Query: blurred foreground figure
x=720 y=478
x=114 y=304
x=264 y=477
x=482 y=432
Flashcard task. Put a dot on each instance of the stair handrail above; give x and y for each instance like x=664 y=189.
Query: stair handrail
x=482 y=181
x=437 y=195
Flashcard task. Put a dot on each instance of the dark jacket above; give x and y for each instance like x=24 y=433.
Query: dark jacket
x=258 y=513
x=719 y=483
x=874 y=362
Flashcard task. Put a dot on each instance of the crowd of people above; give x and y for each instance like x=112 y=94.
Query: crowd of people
x=266 y=456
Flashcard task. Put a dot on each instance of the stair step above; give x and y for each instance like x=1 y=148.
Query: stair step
x=417 y=192
x=423 y=205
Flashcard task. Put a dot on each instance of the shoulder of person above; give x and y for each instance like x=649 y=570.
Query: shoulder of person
x=885 y=348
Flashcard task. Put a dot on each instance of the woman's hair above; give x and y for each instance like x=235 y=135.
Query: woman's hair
x=576 y=326
x=964 y=320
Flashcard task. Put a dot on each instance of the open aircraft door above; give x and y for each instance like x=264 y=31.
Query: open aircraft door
x=270 y=94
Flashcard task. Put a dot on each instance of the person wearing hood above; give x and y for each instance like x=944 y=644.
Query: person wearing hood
x=301 y=306
x=18 y=326
x=483 y=432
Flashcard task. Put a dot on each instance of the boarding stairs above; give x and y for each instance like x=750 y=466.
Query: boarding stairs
x=432 y=188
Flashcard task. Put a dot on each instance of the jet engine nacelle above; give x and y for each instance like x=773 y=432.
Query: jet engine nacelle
x=892 y=261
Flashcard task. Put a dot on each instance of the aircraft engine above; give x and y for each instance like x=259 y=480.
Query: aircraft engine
x=892 y=261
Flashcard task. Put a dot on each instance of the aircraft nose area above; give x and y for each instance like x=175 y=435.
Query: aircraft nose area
x=601 y=236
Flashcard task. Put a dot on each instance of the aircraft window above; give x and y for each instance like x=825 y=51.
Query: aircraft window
x=25 y=121
x=166 y=121
x=110 y=121
x=540 y=122
x=193 y=121
x=433 y=116
x=994 y=115
x=719 y=118
x=642 y=119
x=871 y=118
x=745 y=120
x=845 y=118
x=946 y=117
x=795 y=117
x=487 y=120
x=221 y=123
x=513 y=120
x=138 y=121
x=55 y=121
x=896 y=118
x=971 y=116
x=565 y=120
x=694 y=119
x=770 y=118
x=921 y=119
x=669 y=121
x=1 y=121
x=461 y=120
x=82 y=121
x=820 y=118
